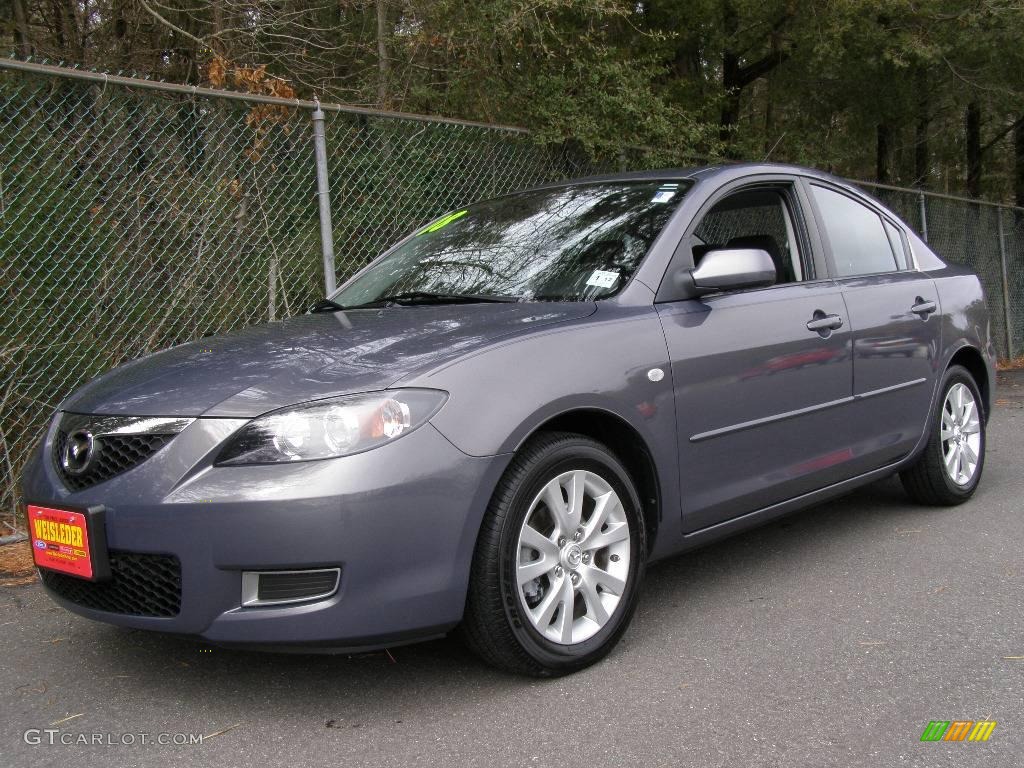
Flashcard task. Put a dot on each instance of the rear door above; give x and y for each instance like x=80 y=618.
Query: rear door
x=894 y=315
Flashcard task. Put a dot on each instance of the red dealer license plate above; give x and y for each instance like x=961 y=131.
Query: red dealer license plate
x=68 y=541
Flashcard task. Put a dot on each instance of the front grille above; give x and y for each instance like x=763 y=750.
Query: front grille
x=140 y=585
x=119 y=443
x=115 y=454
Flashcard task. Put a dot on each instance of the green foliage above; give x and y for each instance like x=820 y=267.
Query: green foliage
x=863 y=87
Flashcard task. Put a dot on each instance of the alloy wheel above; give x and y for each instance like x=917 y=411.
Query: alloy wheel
x=573 y=557
x=960 y=433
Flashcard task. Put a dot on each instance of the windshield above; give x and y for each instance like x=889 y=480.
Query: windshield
x=571 y=243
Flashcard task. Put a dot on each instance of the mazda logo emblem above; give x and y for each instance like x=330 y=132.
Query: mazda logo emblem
x=574 y=556
x=79 y=453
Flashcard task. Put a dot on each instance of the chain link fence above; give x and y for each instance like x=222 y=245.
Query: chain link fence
x=136 y=215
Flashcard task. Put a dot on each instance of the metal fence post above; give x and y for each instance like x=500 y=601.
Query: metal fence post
x=923 y=208
x=1006 y=284
x=324 y=195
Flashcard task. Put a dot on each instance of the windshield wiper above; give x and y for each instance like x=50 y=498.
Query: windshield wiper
x=326 y=305
x=427 y=297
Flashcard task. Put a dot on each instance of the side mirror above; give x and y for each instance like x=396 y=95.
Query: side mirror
x=726 y=269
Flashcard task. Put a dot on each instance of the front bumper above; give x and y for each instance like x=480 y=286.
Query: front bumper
x=400 y=521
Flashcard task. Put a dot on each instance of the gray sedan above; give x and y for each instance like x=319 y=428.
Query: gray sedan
x=499 y=422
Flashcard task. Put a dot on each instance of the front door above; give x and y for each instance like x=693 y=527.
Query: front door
x=763 y=377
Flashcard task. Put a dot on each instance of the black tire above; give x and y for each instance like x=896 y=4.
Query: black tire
x=926 y=480
x=494 y=626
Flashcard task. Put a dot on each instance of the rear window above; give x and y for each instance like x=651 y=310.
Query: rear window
x=856 y=234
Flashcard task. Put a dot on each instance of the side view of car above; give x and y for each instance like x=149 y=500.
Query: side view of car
x=499 y=422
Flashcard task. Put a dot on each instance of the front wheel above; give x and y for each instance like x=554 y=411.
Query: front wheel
x=559 y=559
x=949 y=468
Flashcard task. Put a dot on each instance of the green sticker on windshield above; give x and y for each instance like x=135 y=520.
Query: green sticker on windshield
x=444 y=221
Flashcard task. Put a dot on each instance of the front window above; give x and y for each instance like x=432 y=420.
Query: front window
x=753 y=218
x=571 y=243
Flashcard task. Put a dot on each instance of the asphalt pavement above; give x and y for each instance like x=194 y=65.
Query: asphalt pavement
x=830 y=638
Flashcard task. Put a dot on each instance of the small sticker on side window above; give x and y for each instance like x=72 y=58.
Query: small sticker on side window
x=601 y=279
x=665 y=193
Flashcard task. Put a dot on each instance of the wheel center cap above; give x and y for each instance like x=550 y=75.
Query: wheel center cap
x=572 y=556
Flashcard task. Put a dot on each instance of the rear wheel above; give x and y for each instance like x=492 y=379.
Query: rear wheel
x=949 y=469
x=559 y=559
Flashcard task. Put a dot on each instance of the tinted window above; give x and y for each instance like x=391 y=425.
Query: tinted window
x=859 y=243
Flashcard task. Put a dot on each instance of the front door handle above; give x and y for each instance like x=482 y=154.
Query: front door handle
x=923 y=308
x=822 y=323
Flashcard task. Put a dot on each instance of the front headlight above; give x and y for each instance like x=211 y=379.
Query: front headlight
x=330 y=428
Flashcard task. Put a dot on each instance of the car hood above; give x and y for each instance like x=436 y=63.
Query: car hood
x=263 y=367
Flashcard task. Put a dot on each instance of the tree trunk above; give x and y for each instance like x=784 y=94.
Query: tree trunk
x=383 y=65
x=769 y=119
x=731 y=102
x=730 y=74
x=122 y=43
x=70 y=33
x=219 y=39
x=186 y=68
x=737 y=75
x=922 y=157
x=686 y=62
x=883 y=150
x=23 y=42
x=1018 y=166
x=972 y=127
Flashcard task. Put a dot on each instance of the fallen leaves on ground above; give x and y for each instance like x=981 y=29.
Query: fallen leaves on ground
x=1016 y=364
x=16 y=566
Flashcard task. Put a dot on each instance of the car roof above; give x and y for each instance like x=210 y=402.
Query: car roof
x=723 y=170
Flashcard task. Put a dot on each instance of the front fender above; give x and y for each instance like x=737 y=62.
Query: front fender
x=499 y=396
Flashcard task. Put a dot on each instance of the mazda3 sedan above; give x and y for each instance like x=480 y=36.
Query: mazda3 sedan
x=499 y=422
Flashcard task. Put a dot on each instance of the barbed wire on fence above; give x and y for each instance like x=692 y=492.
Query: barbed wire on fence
x=135 y=215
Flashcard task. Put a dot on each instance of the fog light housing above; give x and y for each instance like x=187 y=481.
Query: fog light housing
x=283 y=587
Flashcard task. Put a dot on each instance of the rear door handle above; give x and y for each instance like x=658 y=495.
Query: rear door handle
x=822 y=322
x=922 y=307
